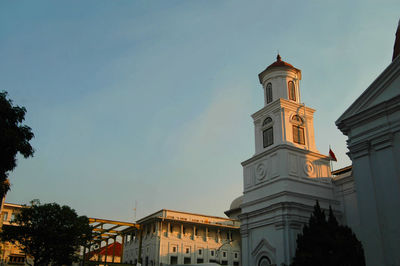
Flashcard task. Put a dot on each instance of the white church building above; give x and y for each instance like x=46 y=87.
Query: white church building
x=287 y=174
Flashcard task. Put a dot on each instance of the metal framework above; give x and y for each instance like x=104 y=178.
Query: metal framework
x=105 y=230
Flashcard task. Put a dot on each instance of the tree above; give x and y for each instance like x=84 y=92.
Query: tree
x=14 y=138
x=50 y=233
x=325 y=242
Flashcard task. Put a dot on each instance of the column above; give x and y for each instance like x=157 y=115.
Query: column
x=181 y=231
x=106 y=251
x=113 y=255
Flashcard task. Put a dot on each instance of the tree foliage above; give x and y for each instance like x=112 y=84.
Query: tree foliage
x=325 y=242
x=50 y=233
x=14 y=138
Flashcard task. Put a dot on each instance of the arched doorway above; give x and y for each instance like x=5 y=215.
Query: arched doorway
x=264 y=261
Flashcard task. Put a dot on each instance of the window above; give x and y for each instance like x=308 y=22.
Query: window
x=298 y=134
x=173 y=249
x=264 y=261
x=187 y=250
x=236 y=255
x=5 y=216
x=200 y=251
x=268 y=137
x=224 y=254
x=12 y=216
x=174 y=260
x=183 y=230
x=212 y=253
x=200 y=260
x=187 y=261
x=268 y=92
x=171 y=228
x=292 y=91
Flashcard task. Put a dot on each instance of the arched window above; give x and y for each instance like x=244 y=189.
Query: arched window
x=264 y=261
x=268 y=92
x=292 y=91
x=298 y=130
x=268 y=132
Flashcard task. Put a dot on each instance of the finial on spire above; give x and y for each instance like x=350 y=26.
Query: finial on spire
x=278 y=57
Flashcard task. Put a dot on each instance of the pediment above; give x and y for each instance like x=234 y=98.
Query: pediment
x=263 y=245
x=385 y=87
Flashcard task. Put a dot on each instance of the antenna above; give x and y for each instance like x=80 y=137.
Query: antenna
x=134 y=211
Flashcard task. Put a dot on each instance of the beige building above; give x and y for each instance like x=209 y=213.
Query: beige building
x=11 y=254
x=173 y=237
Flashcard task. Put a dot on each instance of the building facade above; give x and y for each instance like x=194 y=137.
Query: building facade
x=372 y=124
x=171 y=237
x=11 y=254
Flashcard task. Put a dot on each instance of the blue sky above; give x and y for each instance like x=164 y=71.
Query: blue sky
x=150 y=101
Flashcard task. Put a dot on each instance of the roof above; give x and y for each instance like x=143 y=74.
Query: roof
x=187 y=217
x=236 y=203
x=342 y=170
x=396 y=48
x=279 y=63
x=110 y=250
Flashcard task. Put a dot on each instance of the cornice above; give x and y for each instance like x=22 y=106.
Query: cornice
x=370 y=114
x=279 y=104
x=282 y=147
x=288 y=193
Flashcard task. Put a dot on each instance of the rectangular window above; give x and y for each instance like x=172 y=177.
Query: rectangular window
x=5 y=216
x=174 y=249
x=298 y=135
x=236 y=255
x=212 y=253
x=268 y=137
x=12 y=216
x=200 y=260
x=199 y=251
x=174 y=260
x=224 y=254
x=187 y=261
x=187 y=250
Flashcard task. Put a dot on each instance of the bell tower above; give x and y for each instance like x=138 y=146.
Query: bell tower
x=286 y=175
x=284 y=119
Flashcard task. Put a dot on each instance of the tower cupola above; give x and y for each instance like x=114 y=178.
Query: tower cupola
x=280 y=80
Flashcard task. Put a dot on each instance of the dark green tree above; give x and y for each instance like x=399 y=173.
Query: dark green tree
x=14 y=138
x=50 y=233
x=325 y=242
